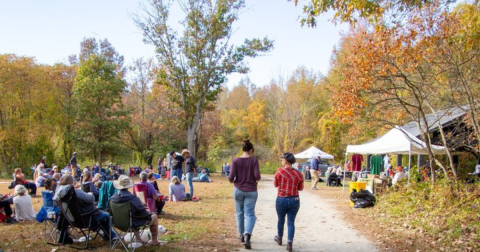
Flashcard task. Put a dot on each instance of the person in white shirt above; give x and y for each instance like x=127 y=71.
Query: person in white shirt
x=23 y=204
x=399 y=175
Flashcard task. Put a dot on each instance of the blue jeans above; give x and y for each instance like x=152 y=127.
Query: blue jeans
x=177 y=172
x=288 y=206
x=104 y=220
x=189 y=178
x=245 y=209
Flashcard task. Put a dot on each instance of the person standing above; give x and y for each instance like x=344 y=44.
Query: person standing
x=245 y=174
x=314 y=172
x=176 y=165
x=159 y=165
x=189 y=169
x=288 y=181
x=73 y=164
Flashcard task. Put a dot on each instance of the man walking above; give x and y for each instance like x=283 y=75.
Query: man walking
x=189 y=169
x=314 y=172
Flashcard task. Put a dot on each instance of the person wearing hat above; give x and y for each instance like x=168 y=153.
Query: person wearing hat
x=189 y=169
x=315 y=171
x=176 y=165
x=288 y=181
x=141 y=215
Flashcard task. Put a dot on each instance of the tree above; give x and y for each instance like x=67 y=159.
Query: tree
x=98 y=89
x=408 y=71
x=352 y=10
x=195 y=64
x=63 y=77
x=255 y=121
x=27 y=105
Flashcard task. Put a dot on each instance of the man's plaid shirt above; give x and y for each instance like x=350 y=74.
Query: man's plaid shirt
x=289 y=181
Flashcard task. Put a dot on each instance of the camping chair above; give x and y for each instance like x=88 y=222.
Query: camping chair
x=122 y=222
x=81 y=223
x=141 y=192
x=48 y=214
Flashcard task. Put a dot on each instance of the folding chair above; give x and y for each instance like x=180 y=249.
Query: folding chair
x=81 y=223
x=141 y=192
x=50 y=214
x=122 y=222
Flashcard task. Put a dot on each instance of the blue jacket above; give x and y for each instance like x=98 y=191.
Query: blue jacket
x=315 y=164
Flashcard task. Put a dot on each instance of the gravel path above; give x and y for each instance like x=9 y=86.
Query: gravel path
x=319 y=227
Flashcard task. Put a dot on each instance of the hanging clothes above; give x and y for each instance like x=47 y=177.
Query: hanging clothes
x=386 y=161
x=376 y=163
x=357 y=162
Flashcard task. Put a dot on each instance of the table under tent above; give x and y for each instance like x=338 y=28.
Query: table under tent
x=396 y=141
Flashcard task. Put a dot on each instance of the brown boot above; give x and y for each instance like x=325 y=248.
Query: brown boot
x=278 y=240
x=289 y=246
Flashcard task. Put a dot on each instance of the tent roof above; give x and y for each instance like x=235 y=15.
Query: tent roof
x=445 y=117
x=398 y=141
x=313 y=152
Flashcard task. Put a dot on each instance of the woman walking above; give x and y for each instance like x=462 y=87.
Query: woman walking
x=245 y=175
x=289 y=181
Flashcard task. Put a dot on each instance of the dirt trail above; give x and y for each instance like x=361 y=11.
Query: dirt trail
x=319 y=227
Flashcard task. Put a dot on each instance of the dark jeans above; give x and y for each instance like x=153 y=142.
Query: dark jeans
x=176 y=172
x=160 y=204
x=288 y=206
x=6 y=207
x=32 y=187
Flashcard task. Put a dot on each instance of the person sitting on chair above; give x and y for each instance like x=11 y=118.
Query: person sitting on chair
x=87 y=204
x=48 y=204
x=88 y=186
x=137 y=209
x=23 y=204
x=20 y=180
x=151 y=192
x=399 y=175
x=160 y=201
x=334 y=180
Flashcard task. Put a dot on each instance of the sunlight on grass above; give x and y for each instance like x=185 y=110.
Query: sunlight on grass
x=206 y=225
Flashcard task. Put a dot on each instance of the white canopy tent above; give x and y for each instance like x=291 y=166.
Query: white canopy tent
x=396 y=141
x=313 y=152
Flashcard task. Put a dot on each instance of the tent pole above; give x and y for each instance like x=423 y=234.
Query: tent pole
x=344 y=172
x=409 y=164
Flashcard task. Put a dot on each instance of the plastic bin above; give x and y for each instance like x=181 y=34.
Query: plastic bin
x=357 y=186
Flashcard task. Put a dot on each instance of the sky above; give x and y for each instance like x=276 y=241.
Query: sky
x=51 y=30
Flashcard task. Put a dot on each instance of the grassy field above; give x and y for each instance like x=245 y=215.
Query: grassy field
x=206 y=225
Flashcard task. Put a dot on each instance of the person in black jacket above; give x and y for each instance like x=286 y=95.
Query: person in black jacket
x=136 y=206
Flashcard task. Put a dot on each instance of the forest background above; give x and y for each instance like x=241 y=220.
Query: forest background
x=398 y=62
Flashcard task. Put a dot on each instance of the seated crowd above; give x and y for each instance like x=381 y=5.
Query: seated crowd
x=95 y=188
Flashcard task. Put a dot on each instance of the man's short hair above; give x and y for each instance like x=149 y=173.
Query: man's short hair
x=143 y=176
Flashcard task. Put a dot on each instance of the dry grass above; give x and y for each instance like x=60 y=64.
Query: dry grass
x=398 y=226
x=207 y=225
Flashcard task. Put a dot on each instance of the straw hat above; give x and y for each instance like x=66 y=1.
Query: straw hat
x=185 y=151
x=123 y=182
